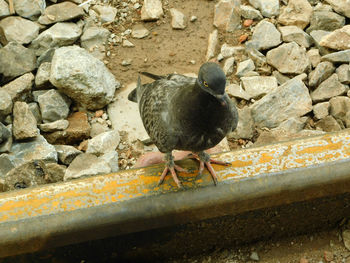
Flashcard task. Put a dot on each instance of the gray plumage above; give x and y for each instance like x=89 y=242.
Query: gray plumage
x=185 y=113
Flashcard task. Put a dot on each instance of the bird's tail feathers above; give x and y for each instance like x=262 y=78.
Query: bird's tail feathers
x=152 y=76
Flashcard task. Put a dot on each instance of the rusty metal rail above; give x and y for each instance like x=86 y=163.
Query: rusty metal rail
x=130 y=201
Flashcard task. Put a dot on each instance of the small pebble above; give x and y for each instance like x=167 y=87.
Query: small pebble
x=98 y=113
x=247 y=22
x=193 y=62
x=220 y=57
x=126 y=62
x=193 y=18
x=254 y=256
x=104 y=116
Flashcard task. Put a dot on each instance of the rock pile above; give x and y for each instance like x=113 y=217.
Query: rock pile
x=292 y=77
x=50 y=88
x=289 y=76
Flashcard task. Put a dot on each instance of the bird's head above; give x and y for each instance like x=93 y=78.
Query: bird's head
x=212 y=80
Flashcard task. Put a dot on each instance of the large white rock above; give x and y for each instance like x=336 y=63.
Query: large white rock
x=82 y=77
x=292 y=99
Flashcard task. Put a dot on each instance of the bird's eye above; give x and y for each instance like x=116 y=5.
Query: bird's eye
x=205 y=84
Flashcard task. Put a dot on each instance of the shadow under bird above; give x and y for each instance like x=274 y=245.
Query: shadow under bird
x=186 y=113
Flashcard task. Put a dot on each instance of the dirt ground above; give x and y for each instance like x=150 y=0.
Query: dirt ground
x=316 y=248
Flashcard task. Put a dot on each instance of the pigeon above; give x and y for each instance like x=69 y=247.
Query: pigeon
x=186 y=113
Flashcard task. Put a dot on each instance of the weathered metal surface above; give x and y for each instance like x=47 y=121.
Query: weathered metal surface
x=131 y=201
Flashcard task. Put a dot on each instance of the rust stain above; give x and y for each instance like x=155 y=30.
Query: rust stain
x=265 y=158
x=239 y=163
x=320 y=149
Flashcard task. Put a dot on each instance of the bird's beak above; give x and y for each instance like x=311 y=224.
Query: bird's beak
x=222 y=100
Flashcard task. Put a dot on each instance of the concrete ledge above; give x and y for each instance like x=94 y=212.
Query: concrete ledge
x=129 y=201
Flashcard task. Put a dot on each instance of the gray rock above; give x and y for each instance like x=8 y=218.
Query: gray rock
x=5 y=104
x=16 y=60
x=42 y=77
x=60 y=34
x=84 y=165
x=106 y=13
x=59 y=125
x=29 y=8
x=268 y=8
x=321 y=110
x=280 y=77
x=328 y=124
x=229 y=51
x=339 y=107
x=227 y=15
x=20 y=88
x=24 y=122
x=293 y=125
x=37 y=93
x=6 y=164
x=265 y=36
x=178 y=19
x=26 y=175
x=94 y=39
x=46 y=56
x=317 y=6
x=347 y=119
x=244 y=67
x=4 y=9
x=296 y=34
x=329 y=88
x=61 y=12
x=297 y=13
x=343 y=72
x=338 y=57
x=237 y=91
x=254 y=256
x=151 y=10
x=5 y=146
x=245 y=126
x=53 y=105
x=34 y=107
x=292 y=99
x=259 y=86
x=259 y=59
x=340 y=6
x=212 y=42
x=346 y=238
x=82 y=77
x=66 y=153
x=97 y=128
x=17 y=29
x=139 y=31
x=288 y=58
x=111 y=158
x=125 y=116
x=55 y=172
x=317 y=36
x=5 y=134
x=325 y=20
x=314 y=56
x=228 y=66
x=249 y=12
x=339 y=39
x=103 y=143
x=35 y=149
x=323 y=71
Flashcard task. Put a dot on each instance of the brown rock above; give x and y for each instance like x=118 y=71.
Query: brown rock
x=328 y=124
x=78 y=130
x=55 y=172
x=297 y=13
x=339 y=39
x=60 y=12
x=24 y=122
x=227 y=15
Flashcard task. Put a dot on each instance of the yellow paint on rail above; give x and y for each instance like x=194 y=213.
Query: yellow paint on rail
x=142 y=183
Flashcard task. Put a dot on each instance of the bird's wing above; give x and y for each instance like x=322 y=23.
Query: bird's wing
x=155 y=104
